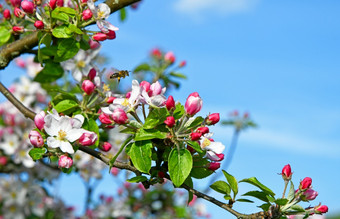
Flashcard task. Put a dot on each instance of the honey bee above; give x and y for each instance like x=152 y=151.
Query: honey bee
x=119 y=74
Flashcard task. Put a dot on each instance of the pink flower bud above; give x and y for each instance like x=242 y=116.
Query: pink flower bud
x=39 y=120
x=145 y=85
x=170 y=103
x=170 y=121
x=106 y=146
x=7 y=14
x=52 y=4
x=321 y=209
x=114 y=171
x=305 y=183
x=286 y=172
x=65 y=161
x=3 y=160
x=92 y=74
x=36 y=139
x=155 y=89
x=214 y=166
x=15 y=3
x=193 y=104
x=88 y=138
x=169 y=57
x=110 y=100
x=309 y=195
x=111 y=35
x=156 y=53
x=195 y=136
x=17 y=29
x=212 y=119
x=99 y=36
x=215 y=157
x=203 y=130
x=39 y=25
x=246 y=115
x=60 y=3
x=94 y=44
x=119 y=116
x=27 y=6
x=182 y=64
x=128 y=94
x=87 y=14
x=88 y=86
x=105 y=119
x=19 y=13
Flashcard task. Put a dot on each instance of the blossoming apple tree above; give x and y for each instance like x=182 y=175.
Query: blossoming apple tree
x=78 y=113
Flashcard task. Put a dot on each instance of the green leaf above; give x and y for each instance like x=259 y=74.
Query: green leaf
x=257 y=194
x=84 y=45
x=67 y=10
x=270 y=198
x=142 y=67
x=122 y=13
x=193 y=122
x=178 y=75
x=256 y=183
x=62 y=32
x=146 y=134
x=244 y=200
x=137 y=179
x=221 y=187
x=5 y=35
x=112 y=161
x=195 y=145
x=63 y=96
x=74 y=29
x=37 y=153
x=47 y=40
x=291 y=193
x=140 y=154
x=199 y=171
x=281 y=201
x=189 y=183
x=56 y=14
x=155 y=117
x=180 y=165
x=67 y=48
x=179 y=111
x=227 y=197
x=232 y=182
x=297 y=208
x=135 y=124
x=51 y=72
x=66 y=106
x=265 y=206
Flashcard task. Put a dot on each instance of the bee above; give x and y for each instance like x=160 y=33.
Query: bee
x=119 y=74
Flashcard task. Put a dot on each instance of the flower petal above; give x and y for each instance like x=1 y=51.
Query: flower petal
x=52 y=142
x=216 y=147
x=74 y=134
x=65 y=146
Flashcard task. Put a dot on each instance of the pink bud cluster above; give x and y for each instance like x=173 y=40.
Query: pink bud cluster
x=100 y=36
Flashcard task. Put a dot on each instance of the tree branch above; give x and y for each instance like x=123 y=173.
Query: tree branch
x=27 y=43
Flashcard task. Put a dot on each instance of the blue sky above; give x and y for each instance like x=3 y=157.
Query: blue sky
x=279 y=60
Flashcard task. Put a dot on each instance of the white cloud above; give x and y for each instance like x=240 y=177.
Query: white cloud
x=195 y=7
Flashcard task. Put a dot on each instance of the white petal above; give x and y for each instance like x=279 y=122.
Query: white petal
x=216 y=147
x=51 y=126
x=65 y=146
x=77 y=75
x=105 y=9
x=74 y=134
x=52 y=142
x=78 y=121
x=65 y=123
x=158 y=100
x=107 y=110
x=92 y=7
x=109 y=26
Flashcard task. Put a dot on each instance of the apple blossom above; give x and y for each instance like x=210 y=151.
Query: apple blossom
x=100 y=13
x=215 y=157
x=203 y=130
x=169 y=57
x=212 y=119
x=87 y=14
x=39 y=24
x=111 y=35
x=146 y=85
x=193 y=104
x=7 y=14
x=321 y=209
x=214 y=166
x=195 y=136
x=119 y=116
x=94 y=44
x=286 y=172
x=182 y=64
x=99 y=36
x=88 y=138
x=105 y=119
x=61 y=132
x=36 y=139
x=170 y=121
x=88 y=87
x=3 y=160
x=15 y=3
x=39 y=120
x=170 y=103
x=18 y=29
x=156 y=53
x=305 y=183
x=27 y=6
x=309 y=195
x=19 y=13
x=65 y=161
x=106 y=146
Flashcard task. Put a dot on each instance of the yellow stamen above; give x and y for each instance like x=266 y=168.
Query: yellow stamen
x=125 y=102
x=206 y=142
x=81 y=64
x=61 y=135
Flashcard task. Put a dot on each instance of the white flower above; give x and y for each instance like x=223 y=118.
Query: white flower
x=101 y=13
x=63 y=131
x=10 y=144
x=211 y=147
